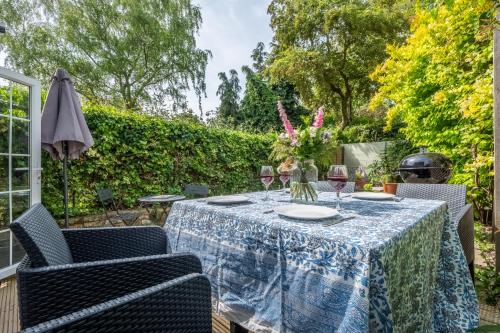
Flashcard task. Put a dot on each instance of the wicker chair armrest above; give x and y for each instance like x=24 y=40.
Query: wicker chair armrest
x=180 y=305
x=95 y=244
x=464 y=221
x=467 y=209
x=49 y=292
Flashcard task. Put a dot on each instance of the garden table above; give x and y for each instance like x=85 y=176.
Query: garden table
x=163 y=200
x=396 y=266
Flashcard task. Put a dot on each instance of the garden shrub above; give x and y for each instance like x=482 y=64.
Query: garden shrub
x=137 y=155
x=439 y=85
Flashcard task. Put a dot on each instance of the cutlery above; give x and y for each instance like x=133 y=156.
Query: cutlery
x=333 y=222
x=398 y=199
x=235 y=204
x=268 y=211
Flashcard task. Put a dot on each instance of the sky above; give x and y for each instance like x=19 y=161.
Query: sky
x=231 y=29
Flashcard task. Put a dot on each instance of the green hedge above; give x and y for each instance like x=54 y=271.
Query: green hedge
x=136 y=155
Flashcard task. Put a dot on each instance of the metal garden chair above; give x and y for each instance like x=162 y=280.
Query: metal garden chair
x=196 y=190
x=106 y=280
x=108 y=202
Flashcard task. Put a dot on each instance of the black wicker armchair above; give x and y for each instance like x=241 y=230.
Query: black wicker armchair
x=180 y=305
x=66 y=271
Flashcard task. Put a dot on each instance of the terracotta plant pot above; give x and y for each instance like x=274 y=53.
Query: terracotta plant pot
x=390 y=188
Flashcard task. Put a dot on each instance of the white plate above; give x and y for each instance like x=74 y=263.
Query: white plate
x=306 y=212
x=373 y=196
x=228 y=199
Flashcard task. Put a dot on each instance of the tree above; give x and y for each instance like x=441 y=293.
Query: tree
x=439 y=85
x=229 y=94
x=129 y=53
x=258 y=107
x=259 y=57
x=327 y=48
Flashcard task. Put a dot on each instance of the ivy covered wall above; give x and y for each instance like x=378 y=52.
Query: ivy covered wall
x=137 y=155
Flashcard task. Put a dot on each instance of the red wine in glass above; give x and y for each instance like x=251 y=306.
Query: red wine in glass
x=337 y=182
x=284 y=178
x=266 y=180
x=337 y=177
x=266 y=177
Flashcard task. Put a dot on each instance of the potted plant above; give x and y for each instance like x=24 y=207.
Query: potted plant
x=368 y=187
x=361 y=179
x=389 y=183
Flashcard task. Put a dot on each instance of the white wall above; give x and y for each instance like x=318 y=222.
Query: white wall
x=363 y=154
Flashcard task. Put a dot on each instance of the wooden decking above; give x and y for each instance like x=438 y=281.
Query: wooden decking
x=9 y=317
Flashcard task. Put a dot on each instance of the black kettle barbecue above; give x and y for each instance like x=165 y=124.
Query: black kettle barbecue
x=425 y=168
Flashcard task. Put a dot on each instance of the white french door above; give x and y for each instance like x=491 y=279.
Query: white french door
x=20 y=164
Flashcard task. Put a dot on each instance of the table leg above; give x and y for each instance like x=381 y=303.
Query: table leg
x=235 y=328
x=163 y=214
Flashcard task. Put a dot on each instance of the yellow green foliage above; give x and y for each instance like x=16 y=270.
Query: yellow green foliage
x=439 y=84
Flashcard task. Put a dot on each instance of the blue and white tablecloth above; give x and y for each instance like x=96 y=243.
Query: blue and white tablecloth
x=395 y=267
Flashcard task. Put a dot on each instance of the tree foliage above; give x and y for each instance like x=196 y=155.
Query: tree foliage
x=439 y=84
x=327 y=48
x=258 y=107
x=229 y=94
x=259 y=57
x=125 y=52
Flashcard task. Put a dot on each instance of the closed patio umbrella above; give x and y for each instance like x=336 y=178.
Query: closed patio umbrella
x=65 y=134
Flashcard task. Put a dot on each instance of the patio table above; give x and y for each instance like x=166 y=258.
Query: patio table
x=395 y=267
x=163 y=200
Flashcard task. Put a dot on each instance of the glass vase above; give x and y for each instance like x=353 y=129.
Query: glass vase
x=303 y=180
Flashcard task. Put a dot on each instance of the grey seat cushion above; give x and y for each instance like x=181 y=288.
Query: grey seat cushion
x=41 y=238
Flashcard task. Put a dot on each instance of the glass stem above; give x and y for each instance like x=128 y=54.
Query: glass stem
x=267 y=192
x=338 y=200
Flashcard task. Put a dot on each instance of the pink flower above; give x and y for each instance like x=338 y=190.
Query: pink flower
x=318 y=121
x=286 y=123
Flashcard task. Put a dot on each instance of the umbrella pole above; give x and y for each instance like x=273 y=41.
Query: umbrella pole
x=65 y=175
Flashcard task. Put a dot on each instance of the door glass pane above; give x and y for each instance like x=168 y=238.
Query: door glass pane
x=20 y=101
x=4 y=248
x=15 y=164
x=20 y=203
x=20 y=173
x=4 y=135
x=4 y=96
x=4 y=173
x=20 y=136
x=4 y=211
x=17 y=250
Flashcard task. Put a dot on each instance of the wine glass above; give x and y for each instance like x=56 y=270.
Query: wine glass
x=267 y=178
x=337 y=177
x=284 y=176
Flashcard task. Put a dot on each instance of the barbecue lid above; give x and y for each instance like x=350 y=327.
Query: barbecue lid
x=425 y=160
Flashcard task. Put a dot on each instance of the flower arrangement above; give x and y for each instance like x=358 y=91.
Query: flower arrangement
x=312 y=142
x=298 y=147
